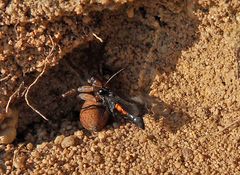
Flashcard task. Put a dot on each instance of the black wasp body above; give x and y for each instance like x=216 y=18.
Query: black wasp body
x=116 y=105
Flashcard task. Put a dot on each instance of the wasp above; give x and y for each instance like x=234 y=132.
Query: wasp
x=100 y=102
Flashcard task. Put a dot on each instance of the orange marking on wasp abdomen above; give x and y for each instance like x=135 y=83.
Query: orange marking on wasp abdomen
x=119 y=108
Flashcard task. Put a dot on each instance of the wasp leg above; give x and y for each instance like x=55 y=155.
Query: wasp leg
x=85 y=89
x=87 y=97
x=115 y=115
x=111 y=109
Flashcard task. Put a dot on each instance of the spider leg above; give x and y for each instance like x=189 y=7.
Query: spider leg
x=111 y=108
x=85 y=89
x=87 y=97
x=71 y=92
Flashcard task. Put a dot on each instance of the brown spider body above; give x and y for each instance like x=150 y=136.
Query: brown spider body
x=93 y=116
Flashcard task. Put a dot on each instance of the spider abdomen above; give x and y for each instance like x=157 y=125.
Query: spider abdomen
x=93 y=116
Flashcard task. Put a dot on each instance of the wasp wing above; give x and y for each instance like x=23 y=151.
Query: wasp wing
x=126 y=108
x=130 y=106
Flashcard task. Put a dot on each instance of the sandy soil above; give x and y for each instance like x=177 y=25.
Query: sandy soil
x=186 y=55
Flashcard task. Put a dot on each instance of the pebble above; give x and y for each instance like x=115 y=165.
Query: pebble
x=102 y=136
x=187 y=154
x=177 y=164
x=19 y=162
x=2 y=147
x=130 y=12
x=97 y=159
x=29 y=146
x=79 y=134
x=69 y=141
x=8 y=126
x=7 y=135
x=58 y=140
x=35 y=154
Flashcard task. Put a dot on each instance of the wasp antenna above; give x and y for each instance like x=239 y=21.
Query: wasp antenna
x=114 y=76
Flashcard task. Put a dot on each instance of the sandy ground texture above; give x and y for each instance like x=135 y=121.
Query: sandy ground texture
x=186 y=55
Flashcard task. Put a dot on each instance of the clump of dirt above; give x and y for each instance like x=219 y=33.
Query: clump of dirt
x=183 y=53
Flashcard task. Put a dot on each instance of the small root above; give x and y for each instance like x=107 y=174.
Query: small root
x=97 y=37
x=27 y=91
x=12 y=96
x=5 y=78
x=36 y=80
